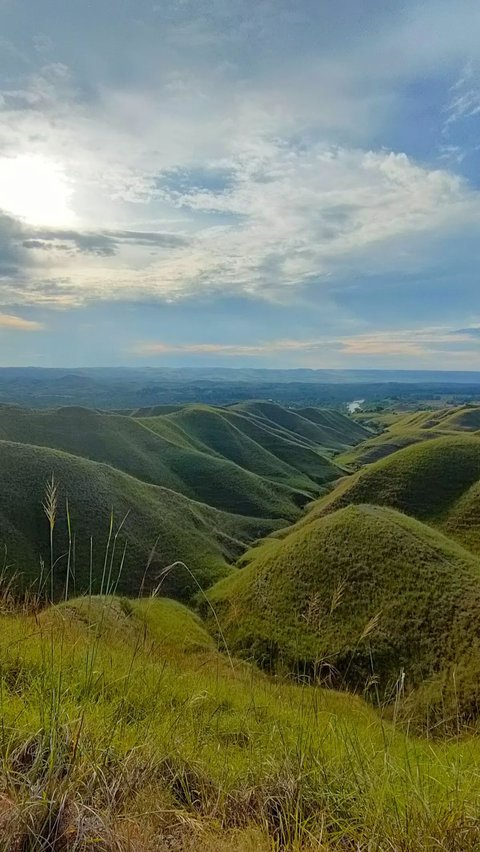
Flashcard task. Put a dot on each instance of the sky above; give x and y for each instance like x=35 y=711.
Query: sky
x=262 y=183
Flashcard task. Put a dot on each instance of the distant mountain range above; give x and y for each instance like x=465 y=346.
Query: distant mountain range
x=239 y=374
x=132 y=388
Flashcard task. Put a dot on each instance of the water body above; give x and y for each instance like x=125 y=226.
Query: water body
x=355 y=405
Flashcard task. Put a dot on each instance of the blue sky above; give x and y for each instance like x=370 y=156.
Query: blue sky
x=269 y=183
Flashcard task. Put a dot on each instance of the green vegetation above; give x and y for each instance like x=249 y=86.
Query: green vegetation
x=267 y=438
x=152 y=526
x=134 y=724
x=162 y=459
x=223 y=439
x=435 y=481
x=192 y=483
x=401 y=430
x=311 y=425
x=124 y=730
x=338 y=430
x=354 y=599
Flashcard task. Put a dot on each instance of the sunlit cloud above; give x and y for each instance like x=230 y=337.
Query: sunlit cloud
x=294 y=218
x=233 y=350
x=10 y=321
x=420 y=341
x=272 y=168
x=407 y=342
x=35 y=188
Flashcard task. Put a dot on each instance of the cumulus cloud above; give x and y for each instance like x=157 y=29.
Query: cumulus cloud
x=305 y=213
x=217 y=167
x=290 y=216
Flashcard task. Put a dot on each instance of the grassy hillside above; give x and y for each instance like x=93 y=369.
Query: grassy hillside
x=178 y=528
x=162 y=458
x=275 y=447
x=241 y=462
x=223 y=436
x=311 y=460
x=402 y=430
x=200 y=481
x=314 y=426
x=339 y=431
x=464 y=419
x=123 y=730
x=357 y=598
x=426 y=480
x=463 y=519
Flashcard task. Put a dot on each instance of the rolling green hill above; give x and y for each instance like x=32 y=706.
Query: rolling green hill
x=331 y=430
x=176 y=527
x=356 y=597
x=402 y=430
x=338 y=430
x=252 y=433
x=221 y=457
x=435 y=481
x=203 y=482
x=133 y=724
x=221 y=436
x=160 y=459
x=254 y=443
x=464 y=419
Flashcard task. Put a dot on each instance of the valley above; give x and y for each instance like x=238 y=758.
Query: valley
x=239 y=627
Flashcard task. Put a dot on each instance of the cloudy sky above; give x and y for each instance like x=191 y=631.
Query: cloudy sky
x=278 y=183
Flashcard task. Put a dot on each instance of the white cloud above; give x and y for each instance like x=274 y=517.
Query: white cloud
x=299 y=207
x=291 y=216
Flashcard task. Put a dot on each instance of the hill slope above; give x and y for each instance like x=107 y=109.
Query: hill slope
x=178 y=528
x=272 y=445
x=360 y=594
x=404 y=430
x=329 y=429
x=204 y=481
x=160 y=459
x=338 y=430
x=221 y=435
x=124 y=729
x=436 y=481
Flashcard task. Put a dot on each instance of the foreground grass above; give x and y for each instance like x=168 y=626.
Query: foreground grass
x=123 y=728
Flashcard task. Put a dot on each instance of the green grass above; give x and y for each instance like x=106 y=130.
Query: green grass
x=426 y=480
x=463 y=419
x=338 y=430
x=151 y=519
x=164 y=448
x=356 y=598
x=221 y=439
x=131 y=725
x=271 y=446
x=124 y=729
x=385 y=445
x=204 y=482
x=161 y=457
x=401 y=430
